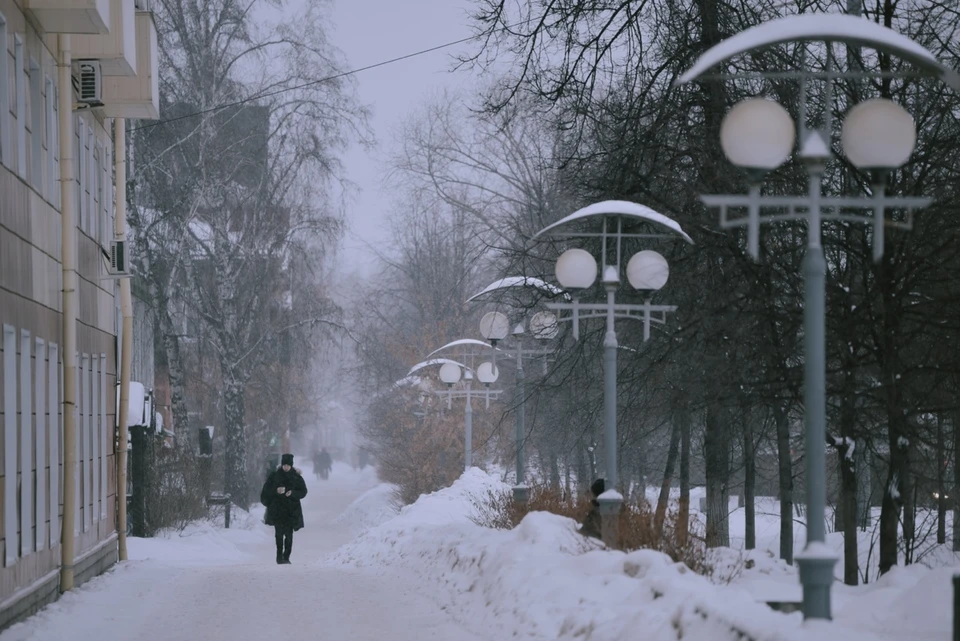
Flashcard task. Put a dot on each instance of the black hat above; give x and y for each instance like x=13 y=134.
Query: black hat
x=286 y=459
x=598 y=487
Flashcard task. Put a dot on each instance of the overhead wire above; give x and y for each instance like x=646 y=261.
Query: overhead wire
x=336 y=76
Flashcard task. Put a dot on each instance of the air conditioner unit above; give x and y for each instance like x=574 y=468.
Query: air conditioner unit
x=87 y=83
x=118 y=266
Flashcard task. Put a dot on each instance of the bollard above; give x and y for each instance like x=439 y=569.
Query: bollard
x=226 y=518
x=956 y=607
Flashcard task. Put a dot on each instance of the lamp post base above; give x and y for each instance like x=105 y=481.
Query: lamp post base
x=816 y=565
x=610 y=520
x=521 y=493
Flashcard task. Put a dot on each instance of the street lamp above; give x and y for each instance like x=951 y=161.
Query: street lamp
x=450 y=374
x=647 y=271
x=493 y=327
x=758 y=136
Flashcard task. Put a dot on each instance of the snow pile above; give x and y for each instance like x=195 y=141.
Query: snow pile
x=206 y=542
x=543 y=579
x=373 y=507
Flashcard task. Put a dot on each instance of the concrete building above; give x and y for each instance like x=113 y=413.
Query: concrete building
x=69 y=71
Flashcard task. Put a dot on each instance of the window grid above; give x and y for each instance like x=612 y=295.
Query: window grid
x=26 y=445
x=56 y=435
x=40 y=409
x=20 y=106
x=10 y=520
x=6 y=148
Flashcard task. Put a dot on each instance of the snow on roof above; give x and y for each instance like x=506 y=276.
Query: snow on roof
x=435 y=361
x=619 y=208
x=408 y=380
x=824 y=27
x=458 y=343
x=520 y=281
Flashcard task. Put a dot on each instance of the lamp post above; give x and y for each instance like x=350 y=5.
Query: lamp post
x=647 y=271
x=758 y=135
x=450 y=374
x=493 y=327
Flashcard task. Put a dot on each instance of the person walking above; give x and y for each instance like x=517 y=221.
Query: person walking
x=281 y=495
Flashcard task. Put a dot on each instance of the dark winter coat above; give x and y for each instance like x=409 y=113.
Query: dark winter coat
x=283 y=509
x=592 y=522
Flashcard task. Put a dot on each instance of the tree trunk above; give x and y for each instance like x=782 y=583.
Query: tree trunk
x=683 y=508
x=847 y=499
x=785 y=473
x=892 y=496
x=749 y=483
x=170 y=341
x=909 y=494
x=664 y=498
x=718 y=470
x=941 y=484
x=235 y=455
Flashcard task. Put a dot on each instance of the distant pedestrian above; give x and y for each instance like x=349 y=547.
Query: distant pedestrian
x=323 y=464
x=281 y=495
x=592 y=522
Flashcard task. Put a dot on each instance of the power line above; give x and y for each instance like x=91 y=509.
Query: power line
x=336 y=76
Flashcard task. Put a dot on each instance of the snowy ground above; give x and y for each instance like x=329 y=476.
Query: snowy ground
x=544 y=581
x=225 y=585
x=364 y=571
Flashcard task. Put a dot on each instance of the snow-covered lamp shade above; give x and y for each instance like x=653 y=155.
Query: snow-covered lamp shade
x=757 y=134
x=494 y=326
x=449 y=373
x=878 y=134
x=544 y=325
x=648 y=270
x=576 y=269
x=487 y=373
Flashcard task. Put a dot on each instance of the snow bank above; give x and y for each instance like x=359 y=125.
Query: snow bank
x=206 y=542
x=373 y=507
x=544 y=580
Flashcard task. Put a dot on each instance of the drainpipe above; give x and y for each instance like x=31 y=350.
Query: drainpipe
x=68 y=251
x=126 y=347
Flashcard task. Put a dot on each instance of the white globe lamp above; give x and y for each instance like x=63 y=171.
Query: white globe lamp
x=487 y=373
x=878 y=134
x=757 y=134
x=494 y=326
x=576 y=269
x=543 y=325
x=648 y=271
x=449 y=373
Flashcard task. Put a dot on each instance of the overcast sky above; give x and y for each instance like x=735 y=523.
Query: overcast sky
x=370 y=31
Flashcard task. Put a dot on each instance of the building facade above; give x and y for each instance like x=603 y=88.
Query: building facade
x=119 y=38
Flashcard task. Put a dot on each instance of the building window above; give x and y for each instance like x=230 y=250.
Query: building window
x=26 y=445
x=95 y=433
x=36 y=127
x=84 y=433
x=78 y=444
x=81 y=171
x=6 y=148
x=51 y=188
x=10 y=520
x=56 y=436
x=19 y=87
x=105 y=434
x=92 y=170
x=40 y=409
x=55 y=129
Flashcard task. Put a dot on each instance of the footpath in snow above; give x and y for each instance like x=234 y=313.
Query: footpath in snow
x=213 y=584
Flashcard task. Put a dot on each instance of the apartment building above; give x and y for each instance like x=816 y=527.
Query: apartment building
x=70 y=70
